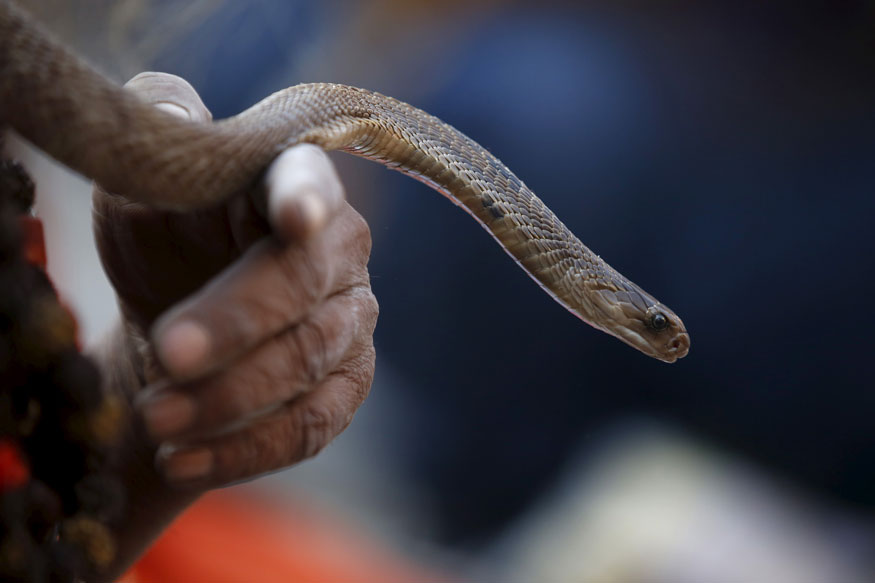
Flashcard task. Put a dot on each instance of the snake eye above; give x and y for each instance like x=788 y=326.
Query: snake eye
x=658 y=321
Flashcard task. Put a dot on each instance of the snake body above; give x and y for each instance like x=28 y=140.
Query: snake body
x=67 y=109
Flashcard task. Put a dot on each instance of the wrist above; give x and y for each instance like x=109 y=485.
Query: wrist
x=151 y=504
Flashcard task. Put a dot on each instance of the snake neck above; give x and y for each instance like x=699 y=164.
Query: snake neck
x=412 y=142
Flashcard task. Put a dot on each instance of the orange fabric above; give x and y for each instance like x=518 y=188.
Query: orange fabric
x=34 y=241
x=229 y=537
x=14 y=472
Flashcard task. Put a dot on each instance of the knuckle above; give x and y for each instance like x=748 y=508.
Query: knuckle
x=362 y=234
x=356 y=235
x=307 y=349
x=359 y=371
x=318 y=344
x=317 y=427
x=371 y=310
x=267 y=447
x=359 y=226
x=364 y=309
x=306 y=272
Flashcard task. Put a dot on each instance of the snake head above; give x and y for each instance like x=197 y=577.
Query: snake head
x=640 y=321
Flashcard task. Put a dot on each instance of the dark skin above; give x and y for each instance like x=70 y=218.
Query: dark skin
x=246 y=337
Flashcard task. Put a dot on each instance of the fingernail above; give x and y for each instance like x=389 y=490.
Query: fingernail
x=167 y=414
x=188 y=465
x=183 y=348
x=174 y=108
x=312 y=211
x=302 y=215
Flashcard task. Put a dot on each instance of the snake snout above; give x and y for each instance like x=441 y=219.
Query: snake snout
x=678 y=347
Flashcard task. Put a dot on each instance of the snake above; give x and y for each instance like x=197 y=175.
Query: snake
x=65 y=107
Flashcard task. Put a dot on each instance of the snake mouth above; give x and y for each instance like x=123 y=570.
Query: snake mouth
x=653 y=344
x=677 y=347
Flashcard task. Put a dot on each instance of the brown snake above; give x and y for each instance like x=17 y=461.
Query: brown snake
x=90 y=124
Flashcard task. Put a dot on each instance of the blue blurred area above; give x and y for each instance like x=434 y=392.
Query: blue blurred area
x=230 y=54
x=723 y=168
x=718 y=154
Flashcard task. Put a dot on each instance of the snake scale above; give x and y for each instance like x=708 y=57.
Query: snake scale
x=70 y=111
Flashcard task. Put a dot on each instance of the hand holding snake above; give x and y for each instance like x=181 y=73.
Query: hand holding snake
x=264 y=344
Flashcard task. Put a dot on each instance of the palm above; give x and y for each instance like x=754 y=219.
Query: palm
x=174 y=253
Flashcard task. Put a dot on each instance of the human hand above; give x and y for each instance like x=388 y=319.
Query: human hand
x=253 y=325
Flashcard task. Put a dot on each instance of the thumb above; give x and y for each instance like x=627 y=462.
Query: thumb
x=170 y=93
x=174 y=95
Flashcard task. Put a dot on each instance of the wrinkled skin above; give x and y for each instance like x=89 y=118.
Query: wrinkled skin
x=247 y=328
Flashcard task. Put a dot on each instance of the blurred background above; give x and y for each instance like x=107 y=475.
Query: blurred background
x=720 y=154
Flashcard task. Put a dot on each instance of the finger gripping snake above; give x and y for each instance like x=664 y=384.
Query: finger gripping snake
x=90 y=124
